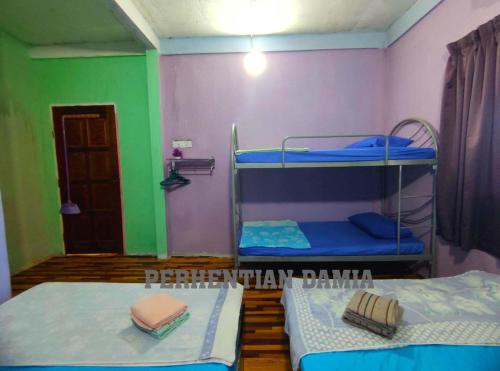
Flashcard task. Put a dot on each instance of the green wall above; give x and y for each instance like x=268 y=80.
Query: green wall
x=31 y=182
x=155 y=131
x=33 y=228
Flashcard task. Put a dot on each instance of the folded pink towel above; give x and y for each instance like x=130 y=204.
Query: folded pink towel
x=143 y=325
x=155 y=311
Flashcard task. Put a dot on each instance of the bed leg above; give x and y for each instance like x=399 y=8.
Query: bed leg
x=432 y=269
x=239 y=364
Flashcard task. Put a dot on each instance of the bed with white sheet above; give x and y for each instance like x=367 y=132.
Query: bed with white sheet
x=449 y=323
x=88 y=326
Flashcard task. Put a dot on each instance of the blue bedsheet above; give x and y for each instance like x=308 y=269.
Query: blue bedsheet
x=338 y=155
x=414 y=357
x=339 y=238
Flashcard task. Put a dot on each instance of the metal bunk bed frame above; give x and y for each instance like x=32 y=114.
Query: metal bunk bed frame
x=424 y=134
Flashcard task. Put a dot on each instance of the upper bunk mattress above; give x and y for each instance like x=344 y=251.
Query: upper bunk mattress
x=339 y=239
x=337 y=155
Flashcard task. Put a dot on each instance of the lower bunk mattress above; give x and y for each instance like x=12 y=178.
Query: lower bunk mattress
x=87 y=326
x=450 y=323
x=340 y=238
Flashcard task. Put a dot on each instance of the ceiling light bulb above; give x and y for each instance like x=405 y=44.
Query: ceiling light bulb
x=255 y=63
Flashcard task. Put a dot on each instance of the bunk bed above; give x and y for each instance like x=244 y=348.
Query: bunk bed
x=337 y=241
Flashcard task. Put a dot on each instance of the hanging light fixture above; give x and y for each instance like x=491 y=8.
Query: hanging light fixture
x=68 y=207
x=255 y=62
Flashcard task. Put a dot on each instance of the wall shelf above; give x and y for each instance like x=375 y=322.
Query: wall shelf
x=192 y=166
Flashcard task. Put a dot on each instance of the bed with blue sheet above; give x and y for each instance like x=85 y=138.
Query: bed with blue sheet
x=336 y=155
x=361 y=235
x=87 y=327
x=375 y=148
x=450 y=323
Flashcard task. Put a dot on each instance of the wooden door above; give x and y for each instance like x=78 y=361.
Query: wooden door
x=94 y=178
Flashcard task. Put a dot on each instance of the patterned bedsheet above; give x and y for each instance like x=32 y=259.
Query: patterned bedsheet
x=273 y=233
x=460 y=310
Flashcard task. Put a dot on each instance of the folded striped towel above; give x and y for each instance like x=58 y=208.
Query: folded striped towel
x=374 y=313
x=157 y=310
x=163 y=331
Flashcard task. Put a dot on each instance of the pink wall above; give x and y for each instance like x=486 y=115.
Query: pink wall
x=415 y=67
x=339 y=91
x=303 y=92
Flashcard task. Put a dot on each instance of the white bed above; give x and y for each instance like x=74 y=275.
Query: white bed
x=88 y=324
x=448 y=323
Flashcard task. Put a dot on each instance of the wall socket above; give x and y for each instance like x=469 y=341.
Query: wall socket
x=182 y=143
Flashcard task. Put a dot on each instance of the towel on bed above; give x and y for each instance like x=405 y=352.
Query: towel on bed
x=163 y=331
x=146 y=327
x=157 y=310
x=273 y=233
x=104 y=337
x=460 y=310
x=374 y=313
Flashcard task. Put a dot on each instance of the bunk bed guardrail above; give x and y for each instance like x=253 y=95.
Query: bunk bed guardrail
x=286 y=139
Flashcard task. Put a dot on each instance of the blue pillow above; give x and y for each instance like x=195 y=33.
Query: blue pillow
x=395 y=141
x=378 y=226
x=379 y=141
x=364 y=143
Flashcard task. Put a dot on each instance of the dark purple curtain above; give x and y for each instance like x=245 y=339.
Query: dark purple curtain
x=469 y=161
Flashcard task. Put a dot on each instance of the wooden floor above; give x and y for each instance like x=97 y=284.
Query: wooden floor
x=264 y=344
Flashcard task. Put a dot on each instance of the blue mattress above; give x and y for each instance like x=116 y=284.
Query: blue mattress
x=414 y=357
x=338 y=155
x=339 y=238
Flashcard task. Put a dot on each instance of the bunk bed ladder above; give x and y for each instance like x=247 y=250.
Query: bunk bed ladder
x=433 y=216
x=423 y=135
x=398 y=214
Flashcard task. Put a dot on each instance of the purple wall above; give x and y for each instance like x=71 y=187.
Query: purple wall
x=336 y=91
x=415 y=67
x=339 y=91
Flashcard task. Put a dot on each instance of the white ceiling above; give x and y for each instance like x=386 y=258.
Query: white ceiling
x=66 y=28
x=47 y=22
x=195 y=18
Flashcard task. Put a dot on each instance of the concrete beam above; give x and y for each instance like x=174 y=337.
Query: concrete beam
x=131 y=17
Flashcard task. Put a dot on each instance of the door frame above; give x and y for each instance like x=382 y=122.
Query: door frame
x=118 y=150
